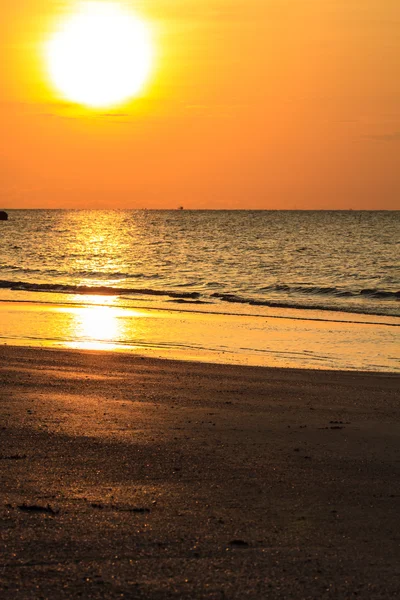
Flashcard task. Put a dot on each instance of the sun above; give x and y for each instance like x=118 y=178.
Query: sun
x=99 y=56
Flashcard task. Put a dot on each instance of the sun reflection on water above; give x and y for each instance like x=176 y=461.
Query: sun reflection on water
x=100 y=327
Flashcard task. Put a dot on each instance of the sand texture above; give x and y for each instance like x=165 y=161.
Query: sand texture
x=124 y=477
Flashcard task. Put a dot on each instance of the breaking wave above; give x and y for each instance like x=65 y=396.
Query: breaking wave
x=312 y=303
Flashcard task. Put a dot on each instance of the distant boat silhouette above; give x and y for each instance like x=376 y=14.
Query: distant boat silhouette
x=3 y=215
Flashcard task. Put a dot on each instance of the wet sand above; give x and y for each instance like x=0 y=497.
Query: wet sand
x=145 y=478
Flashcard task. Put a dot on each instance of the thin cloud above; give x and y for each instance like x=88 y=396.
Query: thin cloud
x=386 y=137
x=114 y=115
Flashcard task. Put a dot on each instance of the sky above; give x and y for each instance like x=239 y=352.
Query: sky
x=258 y=104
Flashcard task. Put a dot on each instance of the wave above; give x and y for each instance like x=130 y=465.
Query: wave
x=333 y=291
x=373 y=293
x=362 y=310
x=100 y=290
x=21 y=270
x=115 y=275
x=196 y=298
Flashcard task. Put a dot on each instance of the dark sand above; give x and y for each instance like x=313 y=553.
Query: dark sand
x=140 y=478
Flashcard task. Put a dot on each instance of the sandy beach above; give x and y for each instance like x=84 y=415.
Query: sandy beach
x=136 y=477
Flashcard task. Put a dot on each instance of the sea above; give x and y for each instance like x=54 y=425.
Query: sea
x=325 y=265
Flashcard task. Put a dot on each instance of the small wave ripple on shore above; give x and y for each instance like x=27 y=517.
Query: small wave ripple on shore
x=198 y=298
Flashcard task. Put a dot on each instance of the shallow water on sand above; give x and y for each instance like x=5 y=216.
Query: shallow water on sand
x=280 y=340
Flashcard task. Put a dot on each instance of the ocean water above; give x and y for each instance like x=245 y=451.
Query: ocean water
x=215 y=261
x=285 y=289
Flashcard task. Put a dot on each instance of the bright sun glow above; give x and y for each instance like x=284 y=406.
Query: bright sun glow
x=100 y=56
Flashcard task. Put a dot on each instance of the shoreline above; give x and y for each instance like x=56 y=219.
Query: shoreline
x=147 y=478
x=196 y=300
x=287 y=312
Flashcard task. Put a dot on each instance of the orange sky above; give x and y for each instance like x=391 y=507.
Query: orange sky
x=252 y=104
